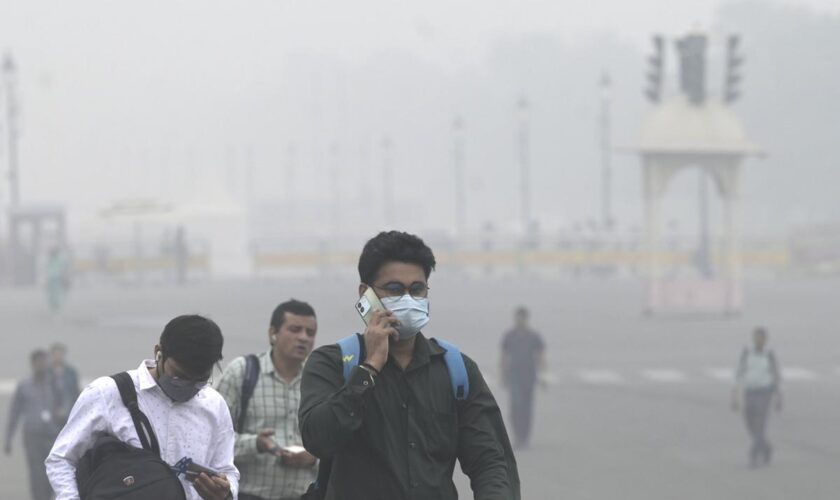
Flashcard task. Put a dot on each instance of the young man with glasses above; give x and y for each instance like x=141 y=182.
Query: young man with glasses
x=268 y=454
x=189 y=418
x=394 y=428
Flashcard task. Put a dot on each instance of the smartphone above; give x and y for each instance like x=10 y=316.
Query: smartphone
x=368 y=304
x=194 y=470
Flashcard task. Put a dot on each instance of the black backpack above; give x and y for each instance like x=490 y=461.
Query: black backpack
x=249 y=383
x=114 y=470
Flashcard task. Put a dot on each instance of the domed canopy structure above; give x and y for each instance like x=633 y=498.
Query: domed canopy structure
x=676 y=126
x=678 y=135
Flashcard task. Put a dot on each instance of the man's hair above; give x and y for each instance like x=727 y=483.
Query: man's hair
x=760 y=330
x=394 y=246
x=36 y=354
x=522 y=311
x=195 y=342
x=293 y=306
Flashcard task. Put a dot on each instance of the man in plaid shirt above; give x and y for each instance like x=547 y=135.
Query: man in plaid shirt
x=268 y=453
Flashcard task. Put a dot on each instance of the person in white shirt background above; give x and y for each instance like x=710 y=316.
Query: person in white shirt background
x=758 y=378
x=189 y=418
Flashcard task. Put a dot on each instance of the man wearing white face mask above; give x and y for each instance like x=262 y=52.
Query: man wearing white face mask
x=392 y=427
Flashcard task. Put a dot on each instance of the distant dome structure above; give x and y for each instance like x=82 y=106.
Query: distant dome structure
x=677 y=126
x=674 y=136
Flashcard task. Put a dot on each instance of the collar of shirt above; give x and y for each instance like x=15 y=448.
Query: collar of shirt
x=147 y=381
x=423 y=352
x=267 y=368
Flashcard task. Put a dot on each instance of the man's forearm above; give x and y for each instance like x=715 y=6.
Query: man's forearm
x=245 y=445
x=62 y=476
x=328 y=425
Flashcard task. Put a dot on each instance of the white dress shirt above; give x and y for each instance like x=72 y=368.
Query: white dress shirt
x=200 y=428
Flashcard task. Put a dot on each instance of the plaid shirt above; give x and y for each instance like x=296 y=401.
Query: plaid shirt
x=274 y=405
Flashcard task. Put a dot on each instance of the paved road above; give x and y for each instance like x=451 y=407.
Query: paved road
x=637 y=410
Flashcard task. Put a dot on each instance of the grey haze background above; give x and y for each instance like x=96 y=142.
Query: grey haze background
x=179 y=100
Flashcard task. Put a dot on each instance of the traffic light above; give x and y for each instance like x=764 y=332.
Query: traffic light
x=653 y=91
x=692 y=52
x=731 y=90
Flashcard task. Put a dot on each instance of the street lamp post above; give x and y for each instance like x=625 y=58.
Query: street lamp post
x=523 y=108
x=606 y=167
x=10 y=84
x=335 y=184
x=458 y=171
x=387 y=182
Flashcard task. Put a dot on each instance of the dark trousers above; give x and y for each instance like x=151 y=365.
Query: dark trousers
x=521 y=411
x=756 y=409
x=37 y=446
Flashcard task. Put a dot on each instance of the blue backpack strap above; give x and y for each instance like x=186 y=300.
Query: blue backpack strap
x=457 y=370
x=350 y=351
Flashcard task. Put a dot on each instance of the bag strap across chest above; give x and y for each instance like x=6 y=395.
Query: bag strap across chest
x=144 y=429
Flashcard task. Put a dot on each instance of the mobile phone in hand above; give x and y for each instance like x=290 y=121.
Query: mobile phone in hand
x=369 y=303
x=194 y=470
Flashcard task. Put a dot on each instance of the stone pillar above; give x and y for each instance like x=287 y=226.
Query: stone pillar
x=652 y=193
x=732 y=250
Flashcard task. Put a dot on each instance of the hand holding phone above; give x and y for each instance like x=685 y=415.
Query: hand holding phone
x=368 y=304
x=212 y=487
x=381 y=325
x=194 y=470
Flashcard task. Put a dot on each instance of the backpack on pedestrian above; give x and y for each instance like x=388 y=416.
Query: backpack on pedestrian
x=114 y=470
x=351 y=347
x=249 y=383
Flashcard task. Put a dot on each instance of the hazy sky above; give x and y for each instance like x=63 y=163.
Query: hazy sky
x=105 y=82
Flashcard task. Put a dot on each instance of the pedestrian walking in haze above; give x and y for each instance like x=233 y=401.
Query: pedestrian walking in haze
x=66 y=379
x=393 y=425
x=35 y=401
x=188 y=418
x=263 y=394
x=757 y=383
x=522 y=362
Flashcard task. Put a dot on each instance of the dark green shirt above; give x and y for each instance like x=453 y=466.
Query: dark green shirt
x=398 y=436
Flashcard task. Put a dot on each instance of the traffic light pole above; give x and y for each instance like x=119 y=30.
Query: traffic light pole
x=459 y=173
x=524 y=165
x=9 y=77
x=606 y=167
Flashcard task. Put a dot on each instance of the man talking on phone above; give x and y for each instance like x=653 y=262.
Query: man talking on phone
x=392 y=429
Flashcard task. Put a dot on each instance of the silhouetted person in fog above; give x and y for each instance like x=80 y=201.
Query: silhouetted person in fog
x=58 y=279
x=182 y=255
x=523 y=359
x=35 y=401
x=66 y=380
x=757 y=378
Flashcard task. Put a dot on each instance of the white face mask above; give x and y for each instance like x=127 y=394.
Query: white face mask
x=413 y=314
